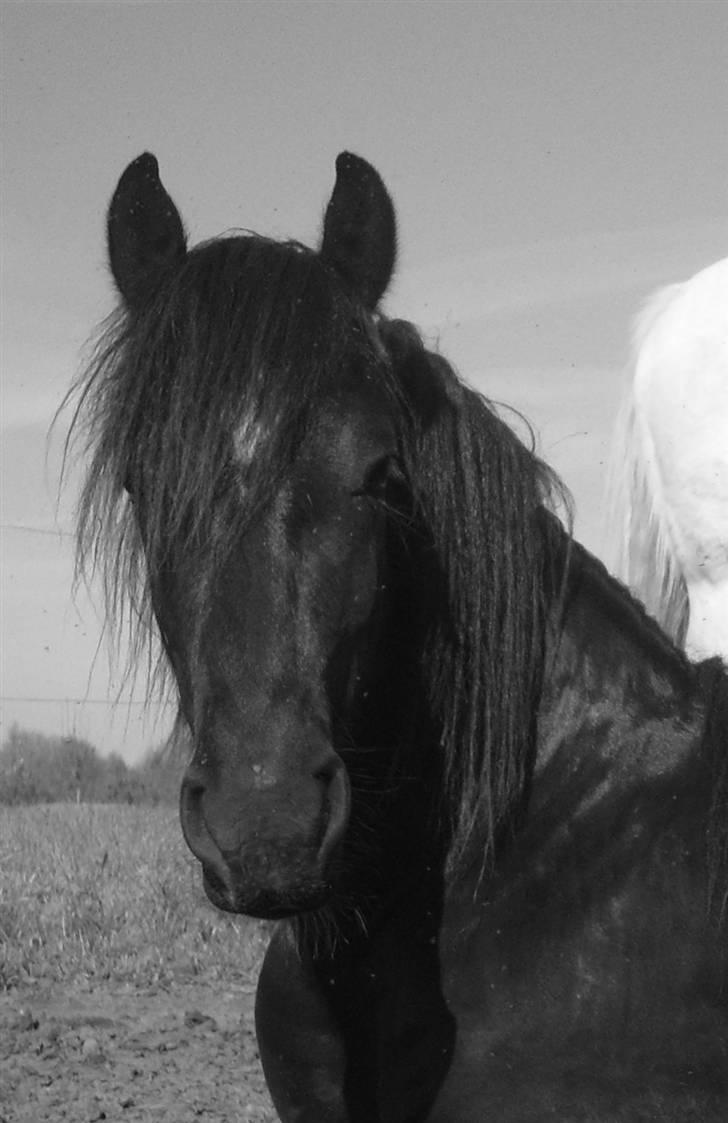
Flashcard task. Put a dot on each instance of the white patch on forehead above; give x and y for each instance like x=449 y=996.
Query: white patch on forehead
x=249 y=435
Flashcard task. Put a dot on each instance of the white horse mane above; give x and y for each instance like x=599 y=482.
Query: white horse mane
x=667 y=485
x=640 y=551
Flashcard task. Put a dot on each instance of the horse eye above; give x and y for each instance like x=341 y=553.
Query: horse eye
x=380 y=479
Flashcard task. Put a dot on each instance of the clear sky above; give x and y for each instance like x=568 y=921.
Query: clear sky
x=551 y=164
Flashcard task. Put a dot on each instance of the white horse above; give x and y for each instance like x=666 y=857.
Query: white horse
x=669 y=473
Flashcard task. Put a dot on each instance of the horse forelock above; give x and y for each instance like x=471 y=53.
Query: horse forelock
x=212 y=385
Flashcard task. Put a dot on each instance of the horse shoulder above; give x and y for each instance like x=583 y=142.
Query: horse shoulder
x=301 y=1049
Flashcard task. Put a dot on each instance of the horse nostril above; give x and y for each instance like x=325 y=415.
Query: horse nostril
x=328 y=770
x=190 y=800
x=193 y=779
x=333 y=776
x=194 y=826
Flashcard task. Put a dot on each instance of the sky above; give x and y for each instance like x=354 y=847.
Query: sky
x=551 y=165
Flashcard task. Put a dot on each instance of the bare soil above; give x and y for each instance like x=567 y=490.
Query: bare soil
x=109 y=1051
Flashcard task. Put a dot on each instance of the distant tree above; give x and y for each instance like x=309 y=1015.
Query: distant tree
x=162 y=767
x=35 y=768
x=118 y=783
x=16 y=781
x=30 y=771
x=83 y=768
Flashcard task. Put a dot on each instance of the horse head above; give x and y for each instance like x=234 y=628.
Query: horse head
x=267 y=573
x=341 y=546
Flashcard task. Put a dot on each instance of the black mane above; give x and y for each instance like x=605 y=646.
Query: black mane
x=485 y=499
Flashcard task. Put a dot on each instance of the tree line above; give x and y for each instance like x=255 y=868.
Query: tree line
x=35 y=768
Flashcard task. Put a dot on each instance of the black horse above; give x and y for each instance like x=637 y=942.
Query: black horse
x=483 y=794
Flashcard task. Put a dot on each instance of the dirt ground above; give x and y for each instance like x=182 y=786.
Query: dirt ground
x=169 y=1054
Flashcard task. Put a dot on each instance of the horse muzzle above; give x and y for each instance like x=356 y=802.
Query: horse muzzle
x=268 y=852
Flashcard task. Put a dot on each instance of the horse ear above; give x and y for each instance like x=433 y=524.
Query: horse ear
x=360 y=235
x=146 y=237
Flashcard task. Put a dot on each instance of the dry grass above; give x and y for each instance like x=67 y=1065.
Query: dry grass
x=100 y=891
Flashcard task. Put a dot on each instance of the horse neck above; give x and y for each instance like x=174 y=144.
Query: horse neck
x=614 y=679
x=630 y=761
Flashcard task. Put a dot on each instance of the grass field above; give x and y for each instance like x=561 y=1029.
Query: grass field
x=108 y=891
x=123 y=993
